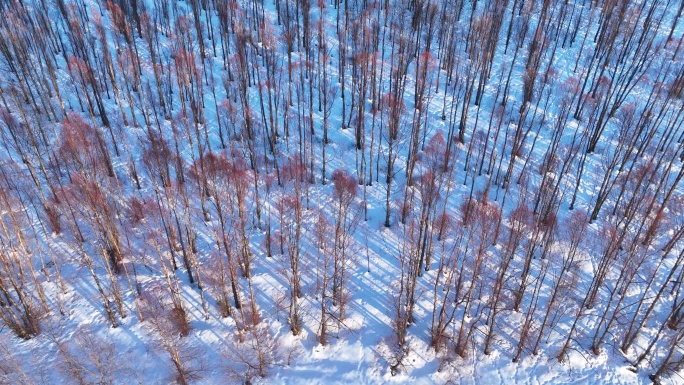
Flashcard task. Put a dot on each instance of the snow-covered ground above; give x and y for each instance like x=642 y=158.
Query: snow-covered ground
x=77 y=343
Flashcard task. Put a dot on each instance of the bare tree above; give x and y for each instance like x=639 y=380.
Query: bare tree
x=170 y=328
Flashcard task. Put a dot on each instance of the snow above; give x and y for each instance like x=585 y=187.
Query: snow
x=360 y=350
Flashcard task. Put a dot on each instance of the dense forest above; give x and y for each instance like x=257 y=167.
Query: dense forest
x=289 y=191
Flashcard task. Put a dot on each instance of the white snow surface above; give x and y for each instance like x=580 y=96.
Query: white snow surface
x=358 y=351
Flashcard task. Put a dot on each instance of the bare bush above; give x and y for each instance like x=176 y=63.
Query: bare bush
x=170 y=326
x=88 y=358
x=252 y=355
